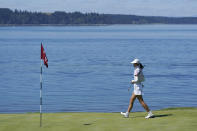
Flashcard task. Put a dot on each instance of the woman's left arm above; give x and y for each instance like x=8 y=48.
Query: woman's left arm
x=136 y=76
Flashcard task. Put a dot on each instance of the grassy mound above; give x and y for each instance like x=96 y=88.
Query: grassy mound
x=172 y=119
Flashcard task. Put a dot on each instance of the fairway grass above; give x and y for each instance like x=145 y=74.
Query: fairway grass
x=172 y=119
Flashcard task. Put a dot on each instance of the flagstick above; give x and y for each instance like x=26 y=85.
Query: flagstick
x=41 y=93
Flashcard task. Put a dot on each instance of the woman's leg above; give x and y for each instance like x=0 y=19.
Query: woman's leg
x=132 y=99
x=140 y=98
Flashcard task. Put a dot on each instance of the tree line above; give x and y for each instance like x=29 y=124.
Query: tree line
x=18 y=17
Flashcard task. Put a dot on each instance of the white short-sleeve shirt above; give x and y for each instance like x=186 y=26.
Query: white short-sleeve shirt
x=138 y=85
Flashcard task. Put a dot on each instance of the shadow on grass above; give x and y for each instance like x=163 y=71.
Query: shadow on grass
x=164 y=115
x=88 y=124
x=155 y=116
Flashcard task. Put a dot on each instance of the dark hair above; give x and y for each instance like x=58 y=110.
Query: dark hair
x=141 y=66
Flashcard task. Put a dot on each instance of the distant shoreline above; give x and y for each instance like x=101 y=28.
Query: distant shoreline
x=3 y=25
x=60 y=18
x=9 y=25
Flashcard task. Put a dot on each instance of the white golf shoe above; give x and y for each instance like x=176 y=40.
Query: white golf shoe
x=150 y=115
x=126 y=114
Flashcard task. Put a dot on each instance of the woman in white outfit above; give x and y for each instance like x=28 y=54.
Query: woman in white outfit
x=138 y=87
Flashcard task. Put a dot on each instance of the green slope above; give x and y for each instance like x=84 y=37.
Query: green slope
x=174 y=119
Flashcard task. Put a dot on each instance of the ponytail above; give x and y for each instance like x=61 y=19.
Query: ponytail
x=141 y=66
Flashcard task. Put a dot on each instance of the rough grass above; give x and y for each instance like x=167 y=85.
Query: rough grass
x=172 y=119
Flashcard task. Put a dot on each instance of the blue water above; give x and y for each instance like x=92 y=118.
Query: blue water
x=89 y=67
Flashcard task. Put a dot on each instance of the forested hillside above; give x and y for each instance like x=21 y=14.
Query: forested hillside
x=17 y=17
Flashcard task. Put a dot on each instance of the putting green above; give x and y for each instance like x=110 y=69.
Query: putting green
x=173 y=119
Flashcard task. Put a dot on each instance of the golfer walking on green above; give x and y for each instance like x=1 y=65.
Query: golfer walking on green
x=138 y=88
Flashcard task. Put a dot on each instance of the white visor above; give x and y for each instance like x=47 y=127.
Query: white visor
x=135 y=61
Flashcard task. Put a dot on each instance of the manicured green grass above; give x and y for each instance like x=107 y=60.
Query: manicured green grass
x=173 y=119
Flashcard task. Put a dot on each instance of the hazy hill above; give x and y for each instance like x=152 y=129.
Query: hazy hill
x=17 y=17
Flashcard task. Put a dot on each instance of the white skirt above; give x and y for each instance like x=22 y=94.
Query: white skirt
x=138 y=89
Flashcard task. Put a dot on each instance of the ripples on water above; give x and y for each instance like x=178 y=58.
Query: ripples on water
x=89 y=68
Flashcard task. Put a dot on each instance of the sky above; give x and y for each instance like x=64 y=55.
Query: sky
x=174 y=8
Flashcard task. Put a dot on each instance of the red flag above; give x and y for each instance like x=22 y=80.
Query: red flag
x=44 y=57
